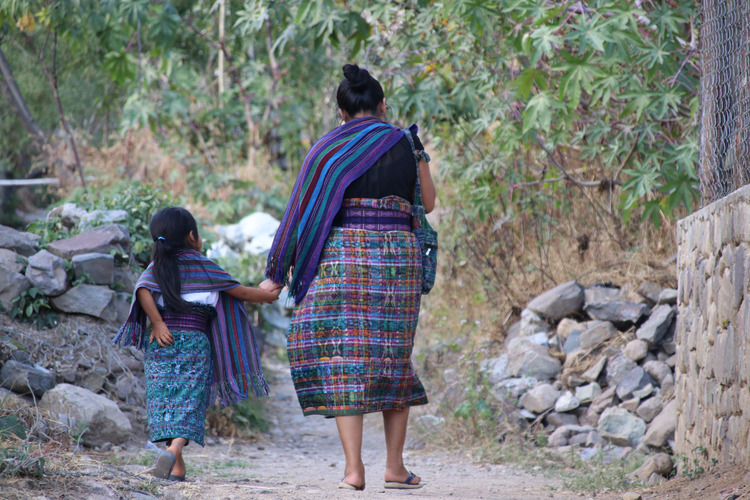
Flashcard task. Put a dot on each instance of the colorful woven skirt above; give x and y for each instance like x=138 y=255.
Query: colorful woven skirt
x=178 y=378
x=351 y=337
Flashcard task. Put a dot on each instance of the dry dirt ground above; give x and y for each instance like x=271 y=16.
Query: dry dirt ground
x=301 y=458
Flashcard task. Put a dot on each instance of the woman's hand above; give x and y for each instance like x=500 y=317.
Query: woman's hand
x=161 y=333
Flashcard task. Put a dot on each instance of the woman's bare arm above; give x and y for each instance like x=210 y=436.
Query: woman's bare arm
x=427 y=186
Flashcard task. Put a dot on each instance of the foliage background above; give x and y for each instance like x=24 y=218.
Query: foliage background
x=563 y=132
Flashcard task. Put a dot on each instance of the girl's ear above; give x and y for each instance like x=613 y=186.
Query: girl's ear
x=192 y=238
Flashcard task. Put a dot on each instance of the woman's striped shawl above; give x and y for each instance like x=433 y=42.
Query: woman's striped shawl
x=330 y=166
x=235 y=360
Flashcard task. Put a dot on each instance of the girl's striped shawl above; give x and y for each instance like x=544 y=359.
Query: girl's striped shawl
x=330 y=166
x=234 y=354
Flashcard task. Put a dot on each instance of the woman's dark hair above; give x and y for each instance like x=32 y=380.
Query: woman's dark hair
x=358 y=91
x=170 y=228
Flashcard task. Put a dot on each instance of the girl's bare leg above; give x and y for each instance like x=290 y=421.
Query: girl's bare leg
x=394 y=422
x=176 y=448
x=350 y=433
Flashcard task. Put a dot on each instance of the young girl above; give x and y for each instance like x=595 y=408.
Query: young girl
x=205 y=348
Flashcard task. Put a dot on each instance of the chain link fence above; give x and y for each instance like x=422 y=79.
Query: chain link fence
x=725 y=98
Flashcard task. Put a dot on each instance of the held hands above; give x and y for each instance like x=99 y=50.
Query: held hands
x=161 y=333
x=274 y=289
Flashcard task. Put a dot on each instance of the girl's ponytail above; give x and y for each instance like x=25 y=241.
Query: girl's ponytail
x=170 y=229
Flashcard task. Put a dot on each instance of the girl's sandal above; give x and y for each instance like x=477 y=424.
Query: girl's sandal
x=163 y=466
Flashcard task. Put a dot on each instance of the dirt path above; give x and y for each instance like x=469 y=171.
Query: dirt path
x=301 y=458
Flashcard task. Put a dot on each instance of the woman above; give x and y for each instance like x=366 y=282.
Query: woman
x=355 y=272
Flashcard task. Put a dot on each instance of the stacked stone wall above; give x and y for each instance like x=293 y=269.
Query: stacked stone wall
x=713 y=331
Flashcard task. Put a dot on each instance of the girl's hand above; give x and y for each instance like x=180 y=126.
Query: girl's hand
x=270 y=286
x=264 y=294
x=161 y=333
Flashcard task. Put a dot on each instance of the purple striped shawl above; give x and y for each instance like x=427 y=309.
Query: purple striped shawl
x=234 y=354
x=337 y=159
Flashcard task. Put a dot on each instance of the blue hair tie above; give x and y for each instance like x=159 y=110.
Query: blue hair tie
x=162 y=238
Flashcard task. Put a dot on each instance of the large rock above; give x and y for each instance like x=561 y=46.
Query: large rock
x=12 y=284
x=528 y=359
x=636 y=349
x=618 y=366
x=47 y=272
x=568 y=326
x=662 y=427
x=650 y=408
x=661 y=464
x=592 y=374
x=98 y=267
x=621 y=427
x=496 y=369
x=603 y=293
x=621 y=314
x=559 y=302
x=103 y=420
x=566 y=402
x=587 y=393
x=21 y=243
x=562 y=435
x=635 y=380
x=650 y=291
x=668 y=296
x=656 y=327
x=102 y=239
x=97 y=301
x=659 y=370
x=69 y=214
x=540 y=399
x=598 y=332
x=513 y=388
x=25 y=378
x=559 y=419
x=253 y=234
x=11 y=260
x=531 y=324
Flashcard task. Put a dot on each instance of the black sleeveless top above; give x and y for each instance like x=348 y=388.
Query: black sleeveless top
x=394 y=173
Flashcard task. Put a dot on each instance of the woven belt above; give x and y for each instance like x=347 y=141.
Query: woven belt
x=373 y=219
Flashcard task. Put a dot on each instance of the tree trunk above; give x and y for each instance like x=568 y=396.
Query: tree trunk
x=16 y=99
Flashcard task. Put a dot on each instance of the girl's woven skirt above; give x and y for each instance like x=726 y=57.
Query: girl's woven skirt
x=351 y=337
x=178 y=377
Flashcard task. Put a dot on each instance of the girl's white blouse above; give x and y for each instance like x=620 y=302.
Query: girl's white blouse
x=210 y=298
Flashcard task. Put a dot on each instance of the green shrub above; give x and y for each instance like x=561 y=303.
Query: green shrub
x=32 y=306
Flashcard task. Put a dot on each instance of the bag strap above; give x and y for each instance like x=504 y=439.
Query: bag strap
x=418 y=196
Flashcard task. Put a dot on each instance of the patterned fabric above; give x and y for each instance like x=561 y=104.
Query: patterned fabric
x=374 y=215
x=351 y=337
x=235 y=360
x=330 y=166
x=178 y=378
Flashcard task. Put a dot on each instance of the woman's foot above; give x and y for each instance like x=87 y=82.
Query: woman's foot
x=402 y=480
x=354 y=479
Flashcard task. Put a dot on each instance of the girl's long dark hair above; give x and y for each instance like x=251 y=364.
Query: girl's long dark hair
x=170 y=228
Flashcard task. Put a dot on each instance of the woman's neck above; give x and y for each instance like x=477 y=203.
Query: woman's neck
x=364 y=114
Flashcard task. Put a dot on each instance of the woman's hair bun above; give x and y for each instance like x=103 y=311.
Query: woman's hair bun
x=358 y=78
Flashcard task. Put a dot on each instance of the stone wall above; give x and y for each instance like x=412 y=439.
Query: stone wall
x=713 y=331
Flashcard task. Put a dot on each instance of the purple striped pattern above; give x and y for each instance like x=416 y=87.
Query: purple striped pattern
x=235 y=360
x=330 y=166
